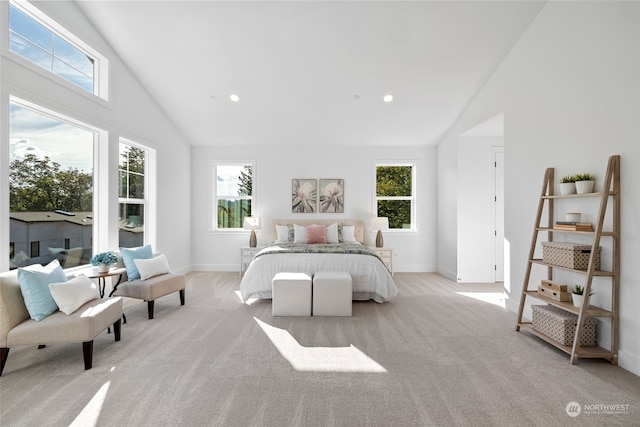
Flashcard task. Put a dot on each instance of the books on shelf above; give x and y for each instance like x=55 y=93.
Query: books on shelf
x=573 y=226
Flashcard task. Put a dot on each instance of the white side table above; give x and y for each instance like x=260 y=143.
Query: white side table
x=386 y=255
x=246 y=255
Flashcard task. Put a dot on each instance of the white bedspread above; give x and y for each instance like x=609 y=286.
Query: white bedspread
x=371 y=279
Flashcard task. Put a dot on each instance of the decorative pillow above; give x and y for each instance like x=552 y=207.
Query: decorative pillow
x=282 y=233
x=316 y=234
x=71 y=295
x=34 y=283
x=131 y=254
x=332 y=233
x=149 y=268
x=348 y=233
x=300 y=234
x=291 y=233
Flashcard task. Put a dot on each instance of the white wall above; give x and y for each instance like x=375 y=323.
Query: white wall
x=570 y=96
x=131 y=113
x=276 y=166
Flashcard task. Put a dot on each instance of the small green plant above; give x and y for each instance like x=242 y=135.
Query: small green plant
x=583 y=177
x=567 y=179
x=579 y=290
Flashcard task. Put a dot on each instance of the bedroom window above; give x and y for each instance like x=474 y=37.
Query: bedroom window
x=132 y=169
x=40 y=40
x=234 y=194
x=51 y=184
x=395 y=195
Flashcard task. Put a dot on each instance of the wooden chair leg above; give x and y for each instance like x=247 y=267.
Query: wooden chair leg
x=41 y=346
x=181 y=296
x=87 y=350
x=150 y=308
x=116 y=329
x=4 y=352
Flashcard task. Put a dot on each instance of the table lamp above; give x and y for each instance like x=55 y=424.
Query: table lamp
x=379 y=223
x=253 y=224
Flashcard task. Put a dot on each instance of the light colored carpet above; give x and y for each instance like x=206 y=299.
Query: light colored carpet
x=432 y=356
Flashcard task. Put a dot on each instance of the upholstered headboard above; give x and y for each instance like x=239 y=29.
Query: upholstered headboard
x=358 y=223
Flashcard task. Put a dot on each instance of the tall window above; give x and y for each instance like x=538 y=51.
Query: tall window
x=132 y=171
x=50 y=186
x=40 y=40
x=233 y=194
x=395 y=194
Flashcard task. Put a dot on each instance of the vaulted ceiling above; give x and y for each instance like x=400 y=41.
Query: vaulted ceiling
x=312 y=72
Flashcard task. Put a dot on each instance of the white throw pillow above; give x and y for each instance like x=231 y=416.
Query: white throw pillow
x=152 y=267
x=282 y=234
x=300 y=235
x=332 y=233
x=72 y=294
x=348 y=233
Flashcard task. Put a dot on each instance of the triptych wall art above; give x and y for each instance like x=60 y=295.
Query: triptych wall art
x=307 y=197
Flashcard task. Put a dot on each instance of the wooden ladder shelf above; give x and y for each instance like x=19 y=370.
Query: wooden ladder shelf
x=609 y=203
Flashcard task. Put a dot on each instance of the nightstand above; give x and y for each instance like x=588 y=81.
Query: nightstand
x=386 y=255
x=246 y=255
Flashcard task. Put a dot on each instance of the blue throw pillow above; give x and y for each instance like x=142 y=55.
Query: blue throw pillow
x=130 y=254
x=34 y=283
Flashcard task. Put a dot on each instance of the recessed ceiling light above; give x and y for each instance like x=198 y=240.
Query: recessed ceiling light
x=388 y=98
x=356 y=97
x=234 y=97
x=212 y=97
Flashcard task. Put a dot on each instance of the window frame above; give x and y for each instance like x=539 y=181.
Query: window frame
x=147 y=201
x=413 y=198
x=101 y=63
x=213 y=225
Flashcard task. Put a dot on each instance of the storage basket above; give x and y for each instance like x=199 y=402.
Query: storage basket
x=560 y=325
x=568 y=255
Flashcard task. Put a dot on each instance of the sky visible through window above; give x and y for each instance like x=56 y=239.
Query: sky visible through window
x=34 y=133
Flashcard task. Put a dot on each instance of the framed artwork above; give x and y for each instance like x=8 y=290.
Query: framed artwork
x=332 y=195
x=303 y=195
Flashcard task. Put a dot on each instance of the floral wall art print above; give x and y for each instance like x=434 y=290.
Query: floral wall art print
x=303 y=195
x=332 y=195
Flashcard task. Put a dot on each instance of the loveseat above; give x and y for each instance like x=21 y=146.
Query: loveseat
x=17 y=328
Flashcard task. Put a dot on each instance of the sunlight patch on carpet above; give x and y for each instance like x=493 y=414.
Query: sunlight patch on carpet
x=319 y=359
x=249 y=301
x=495 y=298
x=88 y=417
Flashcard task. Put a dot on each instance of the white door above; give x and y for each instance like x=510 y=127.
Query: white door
x=498 y=213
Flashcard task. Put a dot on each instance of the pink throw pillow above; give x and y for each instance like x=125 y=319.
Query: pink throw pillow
x=316 y=234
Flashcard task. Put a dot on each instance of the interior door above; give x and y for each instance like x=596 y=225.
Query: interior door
x=498 y=213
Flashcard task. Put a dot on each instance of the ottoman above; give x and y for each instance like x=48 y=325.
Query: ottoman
x=291 y=294
x=332 y=293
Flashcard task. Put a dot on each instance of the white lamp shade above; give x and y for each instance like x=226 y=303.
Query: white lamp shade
x=380 y=223
x=252 y=223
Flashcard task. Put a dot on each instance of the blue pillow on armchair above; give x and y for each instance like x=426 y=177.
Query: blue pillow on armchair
x=131 y=254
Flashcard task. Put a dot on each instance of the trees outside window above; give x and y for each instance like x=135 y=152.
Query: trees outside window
x=233 y=194
x=132 y=200
x=395 y=195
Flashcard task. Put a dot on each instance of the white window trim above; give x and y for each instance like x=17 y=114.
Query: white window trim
x=213 y=203
x=100 y=196
x=149 y=201
x=414 y=195
x=101 y=63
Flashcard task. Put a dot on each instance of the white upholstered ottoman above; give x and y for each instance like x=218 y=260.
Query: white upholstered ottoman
x=332 y=293
x=291 y=294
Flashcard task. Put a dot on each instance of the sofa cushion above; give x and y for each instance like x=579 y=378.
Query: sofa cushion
x=34 y=284
x=153 y=288
x=71 y=295
x=155 y=266
x=131 y=254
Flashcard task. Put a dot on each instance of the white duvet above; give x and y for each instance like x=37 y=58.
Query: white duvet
x=371 y=279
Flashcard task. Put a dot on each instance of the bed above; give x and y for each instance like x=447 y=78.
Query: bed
x=292 y=252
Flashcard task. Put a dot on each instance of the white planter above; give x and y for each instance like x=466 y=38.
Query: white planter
x=567 y=188
x=577 y=300
x=103 y=268
x=583 y=187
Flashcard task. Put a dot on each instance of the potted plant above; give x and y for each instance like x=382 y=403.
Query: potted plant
x=577 y=295
x=104 y=260
x=584 y=183
x=568 y=185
